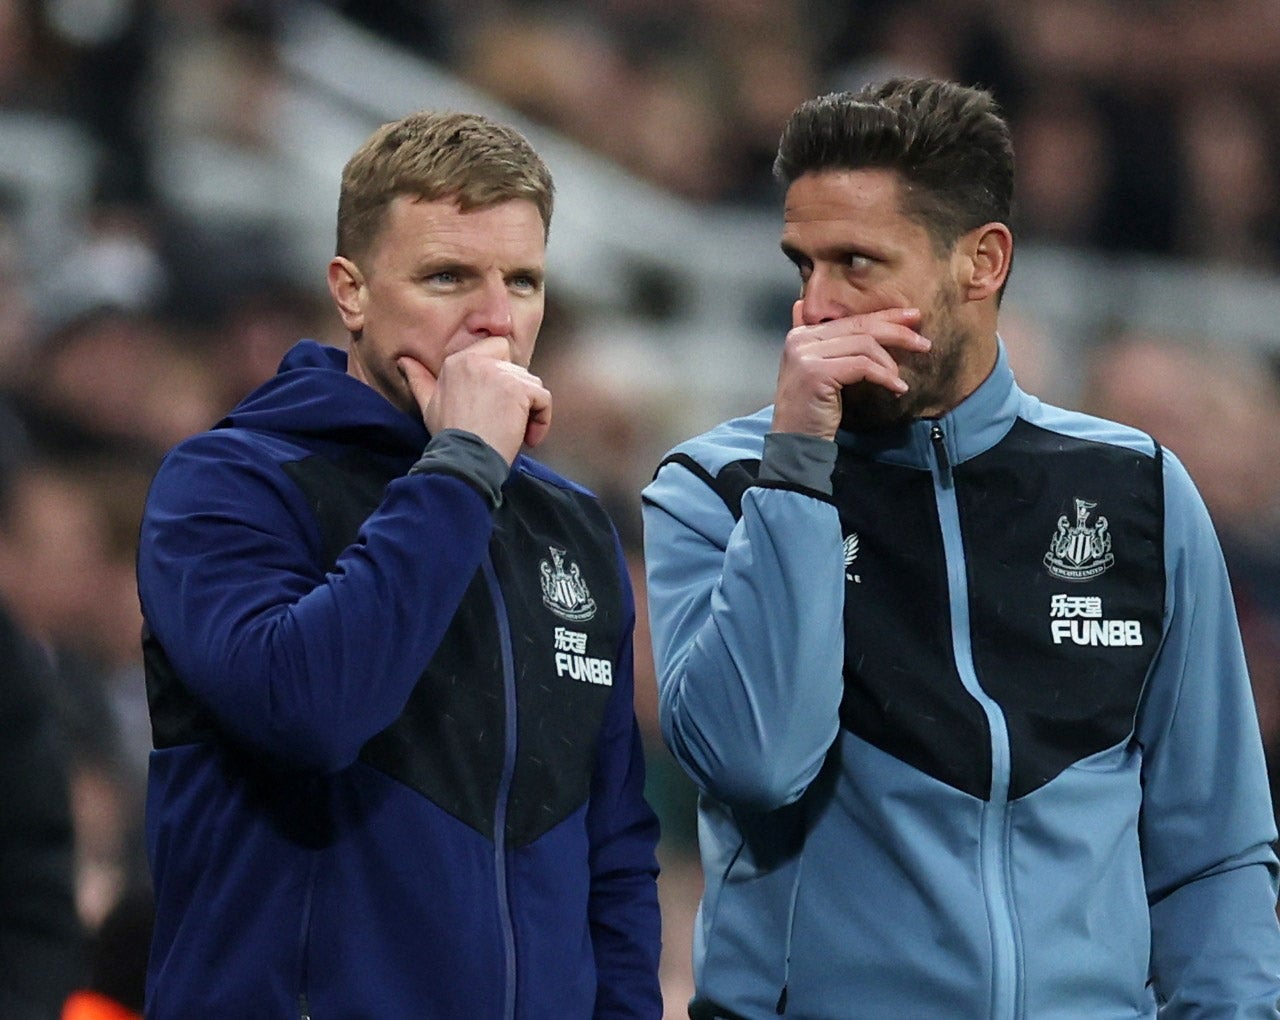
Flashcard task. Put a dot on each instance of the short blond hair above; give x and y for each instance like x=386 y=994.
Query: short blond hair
x=437 y=155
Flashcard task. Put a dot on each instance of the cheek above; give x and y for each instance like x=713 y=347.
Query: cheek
x=526 y=323
x=866 y=297
x=431 y=330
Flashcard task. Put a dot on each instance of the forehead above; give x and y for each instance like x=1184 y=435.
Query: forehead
x=854 y=206
x=506 y=232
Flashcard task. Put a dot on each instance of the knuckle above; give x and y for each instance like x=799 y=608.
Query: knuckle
x=797 y=336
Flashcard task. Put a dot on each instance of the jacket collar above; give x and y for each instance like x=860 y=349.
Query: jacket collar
x=311 y=394
x=975 y=425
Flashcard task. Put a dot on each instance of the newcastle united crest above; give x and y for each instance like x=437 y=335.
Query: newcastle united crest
x=1079 y=551
x=564 y=591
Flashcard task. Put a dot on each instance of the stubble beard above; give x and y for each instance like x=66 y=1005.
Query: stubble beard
x=931 y=375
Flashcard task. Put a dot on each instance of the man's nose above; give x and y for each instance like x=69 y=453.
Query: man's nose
x=823 y=298
x=491 y=313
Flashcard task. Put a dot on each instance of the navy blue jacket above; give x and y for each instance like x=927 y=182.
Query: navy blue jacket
x=397 y=771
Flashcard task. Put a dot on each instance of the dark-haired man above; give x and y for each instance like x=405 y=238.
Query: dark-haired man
x=957 y=673
x=397 y=769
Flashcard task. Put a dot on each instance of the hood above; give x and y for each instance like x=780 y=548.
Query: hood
x=312 y=395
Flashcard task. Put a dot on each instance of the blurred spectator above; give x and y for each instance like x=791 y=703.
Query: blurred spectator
x=764 y=57
x=31 y=76
x=117 y=979
x=884 y=39
x=1219 y=412
x=1231 y=215
x=121 y=376
x=1061 y=128
x=107 y=48
x=40 y=934
x=217 y=75
x=257 y=324
x=115 y=263
x=18 y=318
x=56 y=576
x=601 y=432
x=562 y=71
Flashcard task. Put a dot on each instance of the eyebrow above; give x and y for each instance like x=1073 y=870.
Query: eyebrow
x=444 y=264
x=836 y=253
x=464 y=267
x=793 y=253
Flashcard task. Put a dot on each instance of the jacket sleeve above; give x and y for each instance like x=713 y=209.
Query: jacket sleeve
x=626 y=927
x=747 y=623
x=292 y=661
x=1207 y=824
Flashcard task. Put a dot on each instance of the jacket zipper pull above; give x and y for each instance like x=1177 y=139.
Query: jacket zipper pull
x=782 y=1002
x=940 y=452
x=304 y=1011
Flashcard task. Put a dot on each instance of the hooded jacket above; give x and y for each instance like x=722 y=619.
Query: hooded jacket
x=968 y=708
x=397 y=771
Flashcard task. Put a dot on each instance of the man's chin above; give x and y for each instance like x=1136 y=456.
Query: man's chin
x=867 y=407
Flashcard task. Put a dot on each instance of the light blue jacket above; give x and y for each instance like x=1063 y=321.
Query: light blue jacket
x=968 y=708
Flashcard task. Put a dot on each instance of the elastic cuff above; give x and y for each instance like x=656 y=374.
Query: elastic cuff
x=798 y=459
x=468 y=457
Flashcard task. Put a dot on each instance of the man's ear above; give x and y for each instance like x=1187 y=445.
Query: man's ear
x=347 y=286
x=984 y=256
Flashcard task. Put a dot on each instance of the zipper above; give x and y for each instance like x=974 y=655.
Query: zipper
x=994 y=834
x=780 y=1007
x=304 y=937
x=940 y=455
x=504 y=789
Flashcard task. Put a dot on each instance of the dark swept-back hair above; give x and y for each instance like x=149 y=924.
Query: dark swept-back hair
x=436 y=155
x=949 y=143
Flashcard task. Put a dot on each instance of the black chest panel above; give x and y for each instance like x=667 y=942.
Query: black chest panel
x=559 y=590
x=558 y=586
x=1062 y=547
x=1065 y=553
x=902 y=690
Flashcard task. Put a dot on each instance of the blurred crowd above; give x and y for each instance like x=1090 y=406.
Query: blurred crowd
x=1143 y=128
x=1141 y=125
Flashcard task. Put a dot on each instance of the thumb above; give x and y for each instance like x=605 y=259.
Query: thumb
x=797 y=314
x=422 y=384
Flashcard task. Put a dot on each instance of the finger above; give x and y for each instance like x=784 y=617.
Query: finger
x=886 y=337
x=861 y=368
x=848 y=347
x=539 y=423
x=797 y=314
x=519 y=371
x=889 y=324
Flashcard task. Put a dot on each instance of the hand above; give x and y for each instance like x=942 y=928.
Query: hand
x=819 y=361
x=481 y=390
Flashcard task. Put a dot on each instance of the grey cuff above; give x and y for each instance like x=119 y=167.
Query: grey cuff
x=468 y=457
x=798 y=459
